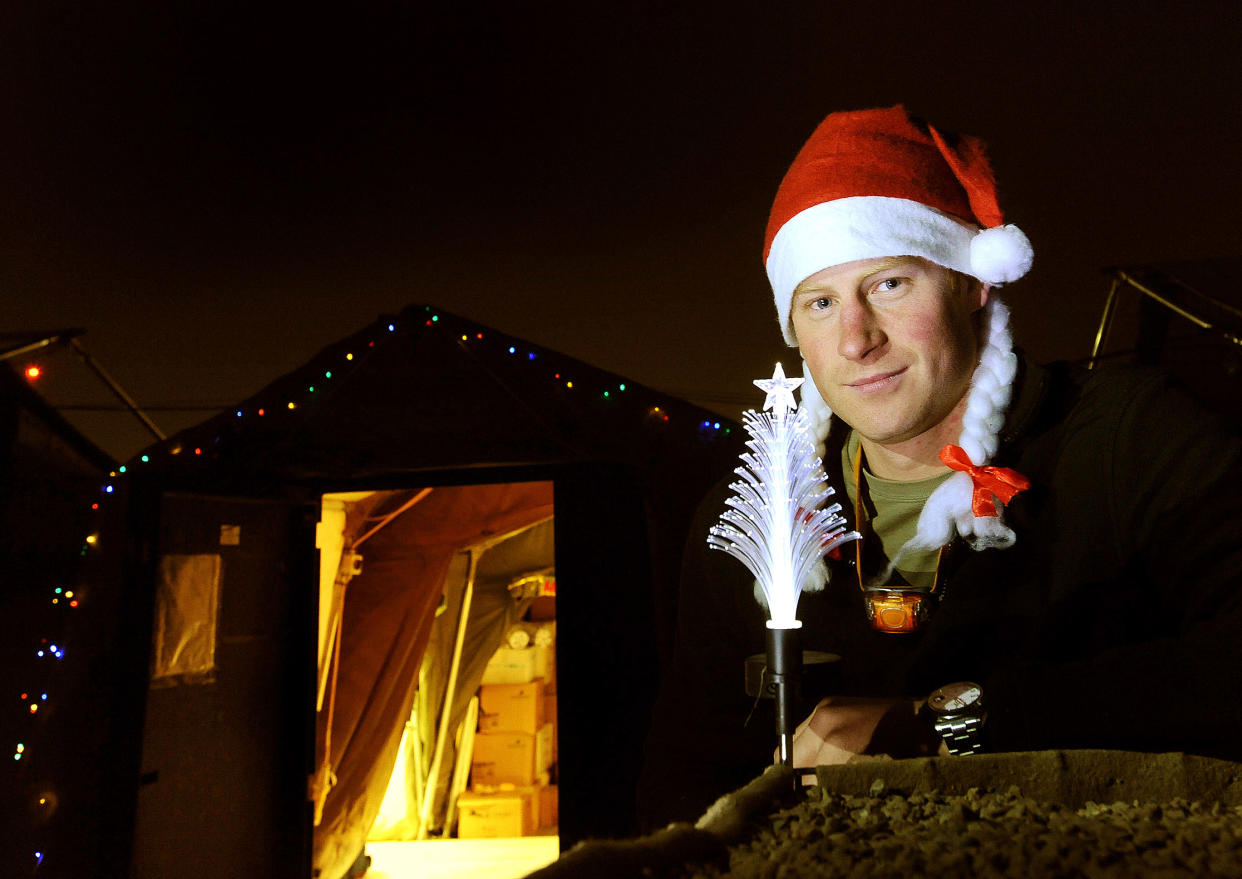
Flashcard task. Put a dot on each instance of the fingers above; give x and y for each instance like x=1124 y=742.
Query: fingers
x=830 y=755
x=806 y=745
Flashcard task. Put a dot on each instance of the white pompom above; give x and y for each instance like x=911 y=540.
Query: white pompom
x=1000 y=255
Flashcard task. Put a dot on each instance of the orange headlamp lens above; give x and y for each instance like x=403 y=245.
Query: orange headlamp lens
x=895 y=611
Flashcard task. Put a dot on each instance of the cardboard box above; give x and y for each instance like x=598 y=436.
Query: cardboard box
x=543 y=749
x=492 y=815
x=504 y=758
x=515 y=758
x=549 y=806
x=531 y=799
x=549 y=713
x=511 y=707
x=510 y=666
x=545 y=664
x=486 y=811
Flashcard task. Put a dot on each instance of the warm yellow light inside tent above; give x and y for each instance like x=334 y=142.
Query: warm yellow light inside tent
x=439 y=814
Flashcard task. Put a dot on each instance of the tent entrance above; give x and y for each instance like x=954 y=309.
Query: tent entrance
x=436 y=699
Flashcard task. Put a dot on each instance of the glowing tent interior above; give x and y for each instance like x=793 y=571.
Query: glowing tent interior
x=456 y=548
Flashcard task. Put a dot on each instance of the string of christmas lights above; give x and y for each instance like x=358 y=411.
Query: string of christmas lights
x=466 y=335
x=42 y=679
x=39 y=686
x=351 y=354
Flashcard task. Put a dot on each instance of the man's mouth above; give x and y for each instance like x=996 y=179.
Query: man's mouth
x=877 y=382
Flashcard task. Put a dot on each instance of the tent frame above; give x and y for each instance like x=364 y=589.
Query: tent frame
x=1206 y=312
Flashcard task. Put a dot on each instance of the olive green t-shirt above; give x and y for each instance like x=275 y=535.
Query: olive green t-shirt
x=892 y=508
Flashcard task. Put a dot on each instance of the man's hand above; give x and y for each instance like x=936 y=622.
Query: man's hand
x=843 y=728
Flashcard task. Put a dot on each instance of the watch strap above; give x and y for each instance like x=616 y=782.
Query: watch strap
x=962 y=734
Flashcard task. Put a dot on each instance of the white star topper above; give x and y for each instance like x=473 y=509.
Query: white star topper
x=779 y=390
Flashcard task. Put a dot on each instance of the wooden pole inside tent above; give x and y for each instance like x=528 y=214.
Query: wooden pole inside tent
x=421 y=707
x=446 y=710
x=465 y=751
x=388 y=519
x=334 y=631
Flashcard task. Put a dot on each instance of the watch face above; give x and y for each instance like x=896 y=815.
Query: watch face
x=952 y=698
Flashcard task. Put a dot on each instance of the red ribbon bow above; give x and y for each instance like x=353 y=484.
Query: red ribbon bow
x=989 y=481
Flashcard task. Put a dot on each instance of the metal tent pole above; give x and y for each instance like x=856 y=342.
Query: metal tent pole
x=446 y=710
x=117 y=390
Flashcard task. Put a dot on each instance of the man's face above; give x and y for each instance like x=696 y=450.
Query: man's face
x=891 y=343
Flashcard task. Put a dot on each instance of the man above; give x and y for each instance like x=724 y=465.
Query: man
x=1048 y=560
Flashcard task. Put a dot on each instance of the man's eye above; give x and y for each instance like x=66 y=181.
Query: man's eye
x=888 y=285
x=820 y=304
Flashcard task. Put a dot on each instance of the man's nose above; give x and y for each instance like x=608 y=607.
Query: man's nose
x=861 y=334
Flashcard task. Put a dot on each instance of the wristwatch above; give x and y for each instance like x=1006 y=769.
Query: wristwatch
x=958 y=713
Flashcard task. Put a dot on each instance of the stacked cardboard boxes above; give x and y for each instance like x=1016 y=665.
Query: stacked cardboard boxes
x=514 y=762
x=514 y=742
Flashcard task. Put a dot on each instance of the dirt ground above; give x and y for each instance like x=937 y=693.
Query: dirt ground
x=1046 y=813
x=1065 y=778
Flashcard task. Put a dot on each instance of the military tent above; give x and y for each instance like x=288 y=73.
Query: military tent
x=464 y=456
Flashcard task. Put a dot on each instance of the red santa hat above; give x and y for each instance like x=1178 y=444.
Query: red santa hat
x=875 y=183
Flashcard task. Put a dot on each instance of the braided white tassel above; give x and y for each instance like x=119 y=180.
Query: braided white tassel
x=991 y=386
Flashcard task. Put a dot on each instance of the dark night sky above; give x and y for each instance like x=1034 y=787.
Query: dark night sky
x=215 y=193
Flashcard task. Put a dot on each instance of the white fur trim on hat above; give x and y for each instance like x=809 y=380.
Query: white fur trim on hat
x=870 y=227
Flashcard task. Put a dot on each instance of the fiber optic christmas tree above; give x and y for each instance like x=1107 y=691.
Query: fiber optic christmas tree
x=777 y=525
